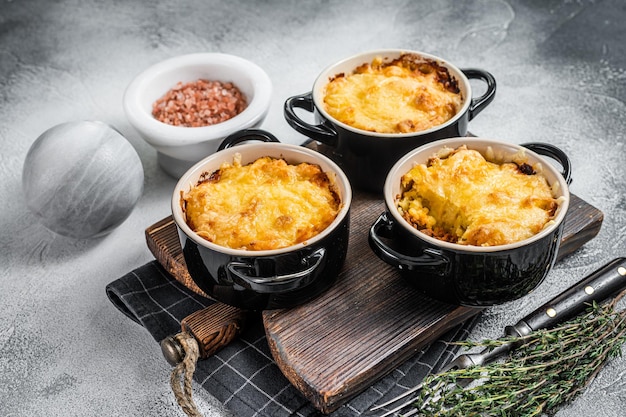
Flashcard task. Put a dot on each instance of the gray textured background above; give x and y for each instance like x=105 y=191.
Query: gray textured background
x=65 y=350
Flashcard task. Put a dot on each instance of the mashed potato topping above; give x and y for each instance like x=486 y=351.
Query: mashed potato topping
x=408 y=94
x=463 y=198
x=268 y=204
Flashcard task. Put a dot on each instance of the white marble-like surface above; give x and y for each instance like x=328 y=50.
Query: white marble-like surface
x=65 y=350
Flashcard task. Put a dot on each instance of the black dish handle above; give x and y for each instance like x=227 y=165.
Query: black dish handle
x=321 y=132
x=246 y=275
x=246 y=135
x=431 y=260
x=555 y=153
x=479 y=103
x=598 y=286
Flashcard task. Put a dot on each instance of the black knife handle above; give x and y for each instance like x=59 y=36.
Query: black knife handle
x=598 y=286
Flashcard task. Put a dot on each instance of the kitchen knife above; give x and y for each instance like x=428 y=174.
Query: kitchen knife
x=601 y=284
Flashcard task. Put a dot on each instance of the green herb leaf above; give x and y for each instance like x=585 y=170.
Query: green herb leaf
x=548 y=369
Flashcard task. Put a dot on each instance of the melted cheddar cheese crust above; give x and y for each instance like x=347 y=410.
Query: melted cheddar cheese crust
x=268 y=204
x=463 y=198
x=405 y=95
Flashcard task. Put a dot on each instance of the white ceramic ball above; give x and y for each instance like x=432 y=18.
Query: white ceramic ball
x=82 y=179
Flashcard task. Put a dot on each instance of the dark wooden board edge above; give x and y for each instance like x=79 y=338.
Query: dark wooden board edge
x=330 y=400
x=579 y=228
x=162 y=240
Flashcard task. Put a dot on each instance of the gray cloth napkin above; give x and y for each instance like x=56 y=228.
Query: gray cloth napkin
x=243 y=375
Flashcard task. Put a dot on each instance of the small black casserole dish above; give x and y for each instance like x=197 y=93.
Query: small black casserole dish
x=463 y=274
x=367 y=156
x=264 y=279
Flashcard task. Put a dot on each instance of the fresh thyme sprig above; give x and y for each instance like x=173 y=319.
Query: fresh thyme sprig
x=549 y=369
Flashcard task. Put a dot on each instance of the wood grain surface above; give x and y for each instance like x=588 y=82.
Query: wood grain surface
x=369 y=321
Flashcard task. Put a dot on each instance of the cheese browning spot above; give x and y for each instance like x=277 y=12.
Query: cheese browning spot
x=460 y=197
x=405 y=95
x=268 y=204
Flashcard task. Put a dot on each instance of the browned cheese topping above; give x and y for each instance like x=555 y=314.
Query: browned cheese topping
x=199 y=103
x=462 y=198
x=268 y=204
x=405 y=95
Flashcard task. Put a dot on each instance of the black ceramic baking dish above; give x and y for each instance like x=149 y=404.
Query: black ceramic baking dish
x=464 y=274
x=264 y=279
x=366 y=156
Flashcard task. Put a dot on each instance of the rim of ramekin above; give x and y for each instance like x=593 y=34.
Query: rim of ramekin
x=226 y=155
x=324 y=76
x=429 y=149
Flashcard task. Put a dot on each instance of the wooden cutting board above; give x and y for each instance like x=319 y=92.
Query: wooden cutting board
x=369 y=321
